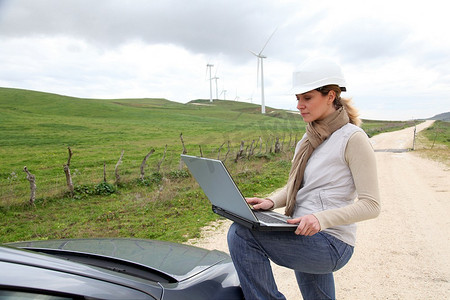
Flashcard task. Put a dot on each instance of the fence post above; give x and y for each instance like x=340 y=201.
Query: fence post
x=32 y=179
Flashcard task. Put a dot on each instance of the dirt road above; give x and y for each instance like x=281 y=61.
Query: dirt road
x=405 y=252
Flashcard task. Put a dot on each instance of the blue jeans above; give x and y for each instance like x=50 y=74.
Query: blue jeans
x=313 y=259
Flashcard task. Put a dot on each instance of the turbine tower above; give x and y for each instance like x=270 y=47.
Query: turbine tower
x=217 y=91
x=209 y=66
x=260 y=58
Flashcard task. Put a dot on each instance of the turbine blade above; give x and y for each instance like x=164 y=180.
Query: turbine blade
x=253 y=53
x=208 y=68
x=217 y=68
x=257 y=71
x=268 y=41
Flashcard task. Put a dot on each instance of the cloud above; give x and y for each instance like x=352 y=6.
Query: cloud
x=200 y=26
x=392 y=52
x=365 y=39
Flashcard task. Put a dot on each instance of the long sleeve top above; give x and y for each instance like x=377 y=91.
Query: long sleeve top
x=340 y=171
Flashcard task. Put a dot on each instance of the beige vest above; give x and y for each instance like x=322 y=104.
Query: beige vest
x=328 y=183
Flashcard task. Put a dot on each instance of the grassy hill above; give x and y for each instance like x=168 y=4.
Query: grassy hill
x=36 y=128
x=29 y=117
x=441 y=117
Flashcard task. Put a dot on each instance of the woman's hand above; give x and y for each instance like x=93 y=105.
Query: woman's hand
x=307 y=225
x=259 y=203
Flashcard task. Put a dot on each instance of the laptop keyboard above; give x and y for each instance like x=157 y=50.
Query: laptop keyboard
x=267 y=218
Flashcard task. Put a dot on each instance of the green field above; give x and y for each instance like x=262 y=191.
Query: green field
x=434 y=142
x=37 y=128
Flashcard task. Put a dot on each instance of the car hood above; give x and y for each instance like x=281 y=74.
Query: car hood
x=176 y=260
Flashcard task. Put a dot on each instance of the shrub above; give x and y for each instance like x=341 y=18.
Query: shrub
x=104 y=189
x=179 y=174
x=154 y=178
x=81 y=191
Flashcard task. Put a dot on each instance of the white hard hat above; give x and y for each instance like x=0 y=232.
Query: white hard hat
x=315 y=73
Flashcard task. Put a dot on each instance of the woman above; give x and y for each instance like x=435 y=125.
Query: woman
x=333 y=164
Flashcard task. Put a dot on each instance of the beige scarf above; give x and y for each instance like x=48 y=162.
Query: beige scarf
x=317 y=132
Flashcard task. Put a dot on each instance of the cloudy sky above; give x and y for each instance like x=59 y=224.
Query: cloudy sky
x=395 y=54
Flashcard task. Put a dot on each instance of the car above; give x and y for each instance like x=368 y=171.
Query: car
x=115 y=268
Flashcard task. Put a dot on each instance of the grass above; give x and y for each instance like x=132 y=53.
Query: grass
x=175 y=210
x=434 y=142
x=374 y=127
x=36 y=129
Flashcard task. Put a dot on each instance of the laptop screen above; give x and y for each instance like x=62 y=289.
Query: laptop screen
x=217 y=184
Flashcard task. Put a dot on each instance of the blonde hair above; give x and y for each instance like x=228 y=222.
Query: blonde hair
x=339 y=102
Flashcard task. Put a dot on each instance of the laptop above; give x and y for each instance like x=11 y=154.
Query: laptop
x=226 y=198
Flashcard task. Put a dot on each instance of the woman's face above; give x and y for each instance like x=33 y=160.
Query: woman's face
x=314 y=106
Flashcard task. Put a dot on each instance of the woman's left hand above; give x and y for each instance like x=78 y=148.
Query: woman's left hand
x=307 y=225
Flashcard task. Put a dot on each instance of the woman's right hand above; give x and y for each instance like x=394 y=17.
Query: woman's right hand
x=259 y=203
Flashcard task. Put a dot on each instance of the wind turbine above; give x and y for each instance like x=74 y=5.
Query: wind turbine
x=215 y=79
x=236 y=98
x=260 y=58
x=224 y=92
x=209 y=66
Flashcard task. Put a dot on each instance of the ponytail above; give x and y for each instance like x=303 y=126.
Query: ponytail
x=352 y=111
x=339 y=102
